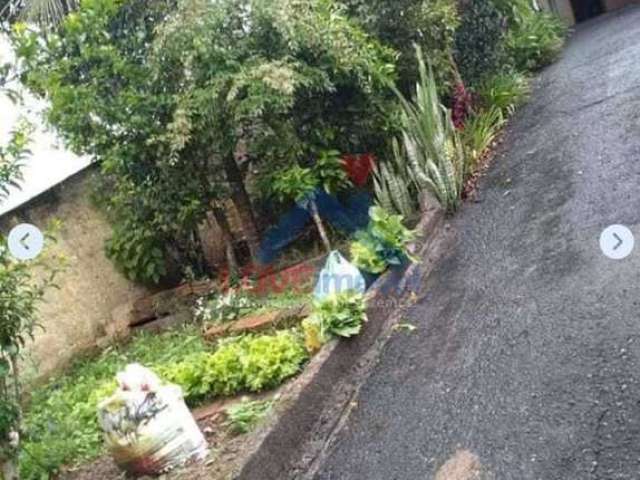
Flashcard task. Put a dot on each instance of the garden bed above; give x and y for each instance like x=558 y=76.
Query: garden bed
x=61 y=418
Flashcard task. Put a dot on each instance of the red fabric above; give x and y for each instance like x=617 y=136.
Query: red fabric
x=359 y=167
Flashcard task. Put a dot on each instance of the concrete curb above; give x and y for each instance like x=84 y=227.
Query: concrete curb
x=313 y=407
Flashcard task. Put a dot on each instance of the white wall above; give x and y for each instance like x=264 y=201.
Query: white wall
x=50 y=162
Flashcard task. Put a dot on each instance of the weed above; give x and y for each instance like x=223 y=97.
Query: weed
x=246 y=415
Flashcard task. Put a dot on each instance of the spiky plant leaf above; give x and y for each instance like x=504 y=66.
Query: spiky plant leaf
x=432 y=145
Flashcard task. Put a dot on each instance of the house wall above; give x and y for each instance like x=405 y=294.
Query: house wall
x=565 y=10
x=615 y=4
x=79 y=315
x=561 y=7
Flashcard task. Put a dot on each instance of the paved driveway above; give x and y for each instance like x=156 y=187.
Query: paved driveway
x=526 y=361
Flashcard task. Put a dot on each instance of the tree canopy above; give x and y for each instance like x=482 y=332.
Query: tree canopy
x=178 y=99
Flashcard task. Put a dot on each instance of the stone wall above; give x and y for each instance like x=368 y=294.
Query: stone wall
x=76 y=317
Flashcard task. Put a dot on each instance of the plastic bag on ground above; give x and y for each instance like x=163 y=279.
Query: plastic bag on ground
x=147 y=426
x=337 y=276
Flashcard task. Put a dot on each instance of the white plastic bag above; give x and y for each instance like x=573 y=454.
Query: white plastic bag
x=148 y=428
x=338 y=275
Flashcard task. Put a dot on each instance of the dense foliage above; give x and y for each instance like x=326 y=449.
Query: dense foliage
x=244 y=364
x=385 y=242
x=155 y=96
x=339 y=315
x=402 y=24
x=505 y=90
x=479 y=41
x=535 y=41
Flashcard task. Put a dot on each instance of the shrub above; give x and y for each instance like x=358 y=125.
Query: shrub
x=365 y=256
x=384 y=243
x=514 y=11
x=505 y=91
x=479 y=41
x=535 y=41
x=340 y=315
x=404 y=23
x=250 y=363
x=431 y=143
x=479 y=133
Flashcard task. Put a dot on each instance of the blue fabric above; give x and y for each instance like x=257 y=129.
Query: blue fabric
x=348 y=217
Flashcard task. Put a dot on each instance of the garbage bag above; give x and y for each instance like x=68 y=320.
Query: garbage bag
x=147 y=426
x=337 y=276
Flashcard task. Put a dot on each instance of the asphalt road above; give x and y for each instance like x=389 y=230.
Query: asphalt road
x=526 y=360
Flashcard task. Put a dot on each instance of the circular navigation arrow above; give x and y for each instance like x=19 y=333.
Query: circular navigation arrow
x=25 y=241
x=617 y=242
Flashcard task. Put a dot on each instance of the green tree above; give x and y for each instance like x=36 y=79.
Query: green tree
x=431 y=24
x=181 y=101
x=480 y=41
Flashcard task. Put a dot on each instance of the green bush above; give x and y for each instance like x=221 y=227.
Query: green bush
x=405 y=23
x=250 y=363
x=535 y=41
x=138 y=252
x=514 y=11
x=339 y=315
x=479 y=42
x=365 y=256
x=154 y=97
x=384 y=243
x=505 y=91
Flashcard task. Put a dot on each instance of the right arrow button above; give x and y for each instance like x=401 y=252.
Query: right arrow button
x=617 y=242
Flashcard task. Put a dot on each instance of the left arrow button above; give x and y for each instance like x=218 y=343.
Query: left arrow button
x=25 y=241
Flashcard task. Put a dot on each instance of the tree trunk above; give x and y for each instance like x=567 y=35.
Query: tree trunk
x=319 y=225
x=227 y=238
x=242 y=202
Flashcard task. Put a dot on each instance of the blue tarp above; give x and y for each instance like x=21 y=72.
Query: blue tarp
x=348 y=216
